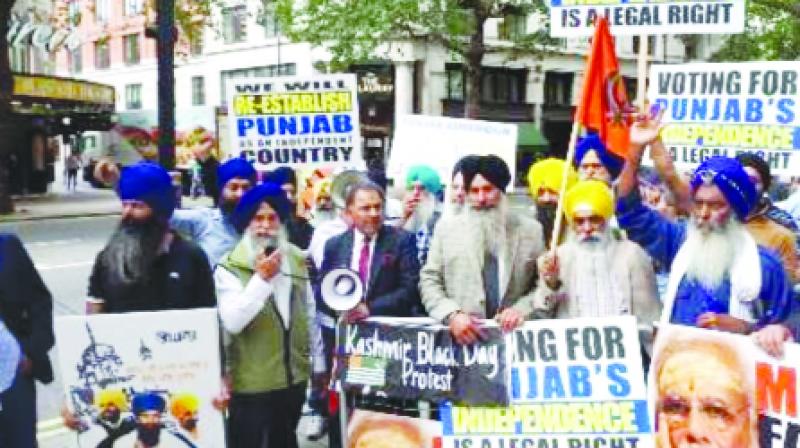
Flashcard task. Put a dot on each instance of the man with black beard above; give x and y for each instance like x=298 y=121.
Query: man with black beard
x=145 y=266
x=211 y=228
x=544 y=185
x=490 y=258
x=719 y=277
x=148 y=409
x=594 y=273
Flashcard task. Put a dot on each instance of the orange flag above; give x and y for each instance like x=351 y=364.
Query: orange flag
x=604 y=106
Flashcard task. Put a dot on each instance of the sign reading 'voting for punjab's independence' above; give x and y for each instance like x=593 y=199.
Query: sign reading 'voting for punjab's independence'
x=725 y=109
x=295 y=121
x=575 y=18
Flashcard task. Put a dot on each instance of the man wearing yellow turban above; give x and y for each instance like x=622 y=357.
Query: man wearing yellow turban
x=544 y=184
x=111 y=403
x=184 y=407
x=594 y=273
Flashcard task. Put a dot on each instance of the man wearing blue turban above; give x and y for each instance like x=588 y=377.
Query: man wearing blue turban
x=719 y=277
x=211 y=228
x=300 y=231
x=594 y=161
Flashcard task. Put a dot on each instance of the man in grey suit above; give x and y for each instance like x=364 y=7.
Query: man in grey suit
x=482 y=263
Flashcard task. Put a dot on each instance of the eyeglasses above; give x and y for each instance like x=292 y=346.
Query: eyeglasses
x=715 y=413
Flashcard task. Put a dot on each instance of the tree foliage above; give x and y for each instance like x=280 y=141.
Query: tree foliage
x=772 y=32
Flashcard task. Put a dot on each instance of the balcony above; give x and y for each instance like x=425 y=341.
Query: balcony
x=507 y=112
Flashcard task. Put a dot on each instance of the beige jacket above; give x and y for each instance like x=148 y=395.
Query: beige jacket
x=452 y=279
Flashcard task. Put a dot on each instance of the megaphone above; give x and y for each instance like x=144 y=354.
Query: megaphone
x=341 y=289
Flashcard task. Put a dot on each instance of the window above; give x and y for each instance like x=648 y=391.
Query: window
x=102 y=10
x=131 y=42
x=75 y=60
x=101 y=55
x=269 y=21
x=133 y=96
x=196 y=44
x=558 y=89
x=503 y=85
x=133 y=7
x=198 y=91
x=651 y=45
x=234 y=24
x=255 y=72
x=513 y=26
x=455 y=82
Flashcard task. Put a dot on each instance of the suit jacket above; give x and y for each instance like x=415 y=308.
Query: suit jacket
x=452 y=279
x=26 y=306
x=394 y=270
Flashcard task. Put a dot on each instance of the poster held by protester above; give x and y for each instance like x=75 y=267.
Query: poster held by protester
x=302 y=121
x=575 y=18
x=418 y=359
x=728 y=108
x=745 y=398
x=439 y=142
x=574 y=383
x=379 y=430
x=143 y=377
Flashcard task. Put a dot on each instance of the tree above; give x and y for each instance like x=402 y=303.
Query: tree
x=352 y=29
x=772 y=32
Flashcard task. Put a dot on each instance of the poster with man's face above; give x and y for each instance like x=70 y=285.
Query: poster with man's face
x=142 y=379
x=719 y=390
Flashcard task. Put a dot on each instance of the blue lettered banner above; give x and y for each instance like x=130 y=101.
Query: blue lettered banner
x=295 y=121
x=725 y=109
x=575 y=383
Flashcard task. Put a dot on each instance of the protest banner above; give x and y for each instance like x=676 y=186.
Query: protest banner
x=418 y=359
x=146 y=378
x=378 y=430
x=744 y=397
x=726 y=109
x=574 y=383
x=575 y=18
x=295 y=121
x=439 y=142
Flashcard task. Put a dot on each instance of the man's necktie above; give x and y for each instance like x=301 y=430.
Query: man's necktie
x=363 y=262
x=491 y=285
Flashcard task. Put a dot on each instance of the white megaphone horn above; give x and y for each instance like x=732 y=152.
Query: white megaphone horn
x=341 y=289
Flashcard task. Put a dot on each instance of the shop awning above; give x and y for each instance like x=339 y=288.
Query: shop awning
x=528 y=134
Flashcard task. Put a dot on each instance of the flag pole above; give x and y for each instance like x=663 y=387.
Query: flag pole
x=573 y=138
x=641 y=72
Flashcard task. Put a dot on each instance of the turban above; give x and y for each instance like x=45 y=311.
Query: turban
x=108 y=397
x=237 y=167
x=548 y=173
x=149 y=183
x=148 y=401
x=757 y=163
x=494 y=170
x=281 y=175
x=182 y=404
x=731 y=179
x=589 y=195
x=268 y=192
x=427 y=176
x=467 y=166
x=592 y=142
x=322 y=189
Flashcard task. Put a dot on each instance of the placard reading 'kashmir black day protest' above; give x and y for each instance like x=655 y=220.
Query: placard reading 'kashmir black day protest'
x=725 y=109
x=417 y=359
x=117 y=368
x=574 y=383
x=744 y=397
x=575 y=18
x=295 y=121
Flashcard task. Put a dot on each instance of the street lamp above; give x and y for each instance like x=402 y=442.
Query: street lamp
x=165 y=34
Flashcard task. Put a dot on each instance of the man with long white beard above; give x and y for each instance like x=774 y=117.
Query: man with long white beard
x=420 y=206
x=266 y=307
x=594 y=273
x=719 y=277
x=490 y=258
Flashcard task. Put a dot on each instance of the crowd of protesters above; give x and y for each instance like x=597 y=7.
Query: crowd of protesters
x=706 y=249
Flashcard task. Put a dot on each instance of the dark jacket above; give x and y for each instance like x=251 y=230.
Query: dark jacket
x=26 y=305
x=394 y=271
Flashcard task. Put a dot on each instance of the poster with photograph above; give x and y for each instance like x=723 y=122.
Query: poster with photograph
x=368 y=429
x=143 y=379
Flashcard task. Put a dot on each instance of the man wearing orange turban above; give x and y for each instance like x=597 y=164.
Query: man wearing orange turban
x=594 y=273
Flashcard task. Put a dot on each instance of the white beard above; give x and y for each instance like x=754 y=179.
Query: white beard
x=712 y=253
x=422 y=214
x=256 y=245
x=593 y=289
x=487 y=228
x=321 y=216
